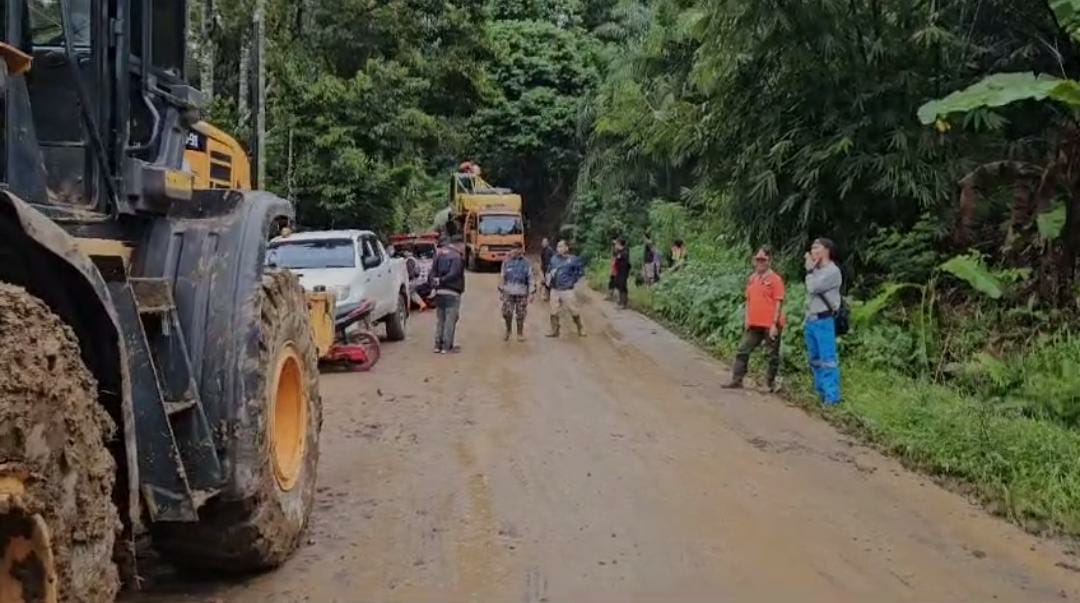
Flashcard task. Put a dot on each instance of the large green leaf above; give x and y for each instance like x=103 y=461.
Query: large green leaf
x=972 y=271
x=1002 y=89
x=865 y=312
x=1068 y=15
x=1051 y=223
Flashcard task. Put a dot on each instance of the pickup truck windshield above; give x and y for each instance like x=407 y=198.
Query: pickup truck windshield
x=500 y=225
x=327 y=253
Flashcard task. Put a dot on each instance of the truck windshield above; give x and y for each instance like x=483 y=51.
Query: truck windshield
x=326 y=253
x=500 y=225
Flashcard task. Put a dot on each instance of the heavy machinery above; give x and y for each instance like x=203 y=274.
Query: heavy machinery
x=488 y=218
x=155 y=378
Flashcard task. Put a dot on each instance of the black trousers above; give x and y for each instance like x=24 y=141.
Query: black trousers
x=618 y=283
x=752 y=338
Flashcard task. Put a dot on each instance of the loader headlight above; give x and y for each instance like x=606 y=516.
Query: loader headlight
x=484 y=249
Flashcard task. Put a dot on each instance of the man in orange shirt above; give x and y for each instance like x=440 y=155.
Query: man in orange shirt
x=764 y=319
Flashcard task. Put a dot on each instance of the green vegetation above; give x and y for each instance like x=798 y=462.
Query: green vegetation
x=372 y=104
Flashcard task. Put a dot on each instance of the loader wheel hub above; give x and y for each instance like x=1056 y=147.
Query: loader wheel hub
x=289 y=416
x=27 y=568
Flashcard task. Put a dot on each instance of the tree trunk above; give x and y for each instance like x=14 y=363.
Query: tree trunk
x=207 y=56
x=243 y=98
x=201 y=42
x=260 y=93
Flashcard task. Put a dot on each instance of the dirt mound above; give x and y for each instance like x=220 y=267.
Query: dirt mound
x=52 y=437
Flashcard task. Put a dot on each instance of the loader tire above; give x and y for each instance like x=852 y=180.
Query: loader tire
x=58 y=522
x=261 y=531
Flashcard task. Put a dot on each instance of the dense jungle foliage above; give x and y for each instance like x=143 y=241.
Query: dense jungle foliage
x=936 y=140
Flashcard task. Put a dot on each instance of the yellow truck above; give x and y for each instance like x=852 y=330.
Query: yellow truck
x=489 y=218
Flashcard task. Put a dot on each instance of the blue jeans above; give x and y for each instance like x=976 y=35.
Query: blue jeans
x=824 y=362
x=446 y=320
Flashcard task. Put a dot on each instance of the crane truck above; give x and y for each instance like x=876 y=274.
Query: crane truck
x=487 y=217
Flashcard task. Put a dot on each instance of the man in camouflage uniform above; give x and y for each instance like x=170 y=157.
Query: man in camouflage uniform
x=516 y=288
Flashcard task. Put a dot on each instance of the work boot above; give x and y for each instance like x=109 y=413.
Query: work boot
x=521 y=329
x=554 y=332
x=506 y=336
x=733 y=384
x=580 y=327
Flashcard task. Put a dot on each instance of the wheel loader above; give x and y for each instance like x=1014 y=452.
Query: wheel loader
x=155 y=379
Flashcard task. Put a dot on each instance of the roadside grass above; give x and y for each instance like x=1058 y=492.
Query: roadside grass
x=1025 y=469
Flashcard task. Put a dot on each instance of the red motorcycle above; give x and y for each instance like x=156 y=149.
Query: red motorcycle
x=355 y=343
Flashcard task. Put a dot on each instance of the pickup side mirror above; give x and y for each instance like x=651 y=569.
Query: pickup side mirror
x=370 y=262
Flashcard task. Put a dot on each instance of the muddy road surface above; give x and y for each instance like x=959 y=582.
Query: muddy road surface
x=614 y=468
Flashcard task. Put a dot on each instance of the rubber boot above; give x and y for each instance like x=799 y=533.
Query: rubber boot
x=521 y=329
x=554 y=332
x=506 y=335
x=580 y=327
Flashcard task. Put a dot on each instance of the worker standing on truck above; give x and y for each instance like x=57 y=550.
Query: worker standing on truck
x=516 y=288
x=546 y=253
x=562 y=276
x=448 y=282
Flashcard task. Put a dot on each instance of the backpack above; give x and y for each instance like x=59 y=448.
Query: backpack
x=517 y=272
x=841 y=315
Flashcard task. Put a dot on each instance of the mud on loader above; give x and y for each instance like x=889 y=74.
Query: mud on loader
x=155 y=379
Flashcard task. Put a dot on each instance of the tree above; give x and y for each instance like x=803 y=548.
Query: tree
x=528 y=135
x=1037 y=185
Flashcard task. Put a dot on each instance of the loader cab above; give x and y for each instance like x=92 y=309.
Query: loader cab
x=97 y=125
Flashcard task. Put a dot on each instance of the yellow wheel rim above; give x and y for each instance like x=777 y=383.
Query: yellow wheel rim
x=27 y=568
x=288 y=418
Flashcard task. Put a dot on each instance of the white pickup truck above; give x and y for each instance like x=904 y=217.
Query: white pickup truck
x=353 y=265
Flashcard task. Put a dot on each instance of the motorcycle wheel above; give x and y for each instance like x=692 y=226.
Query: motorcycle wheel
x=370 y=342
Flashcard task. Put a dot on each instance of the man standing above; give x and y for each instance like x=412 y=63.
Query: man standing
x=612 y=290
x=546 y=253
x=562 y=276
x=516 y=288
x=648 y=261
x=621 y=273
x=823 y=282
x=448 y=282
x=678 y=254
x=764 y=320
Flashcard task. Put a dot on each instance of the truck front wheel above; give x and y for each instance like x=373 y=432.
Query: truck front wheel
x=397 y=323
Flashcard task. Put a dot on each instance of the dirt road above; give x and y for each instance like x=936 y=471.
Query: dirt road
x=614 y=469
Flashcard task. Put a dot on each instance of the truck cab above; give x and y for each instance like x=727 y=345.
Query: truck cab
x=492 y=233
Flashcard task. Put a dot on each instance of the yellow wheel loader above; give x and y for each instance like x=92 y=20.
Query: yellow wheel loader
x=155 y=378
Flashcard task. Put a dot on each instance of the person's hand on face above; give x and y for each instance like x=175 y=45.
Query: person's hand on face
x=811 y=261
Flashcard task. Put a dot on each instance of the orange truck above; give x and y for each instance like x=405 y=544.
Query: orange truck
x=489 y=218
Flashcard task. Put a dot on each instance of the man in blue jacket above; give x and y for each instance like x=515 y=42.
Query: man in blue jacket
x=562 y=276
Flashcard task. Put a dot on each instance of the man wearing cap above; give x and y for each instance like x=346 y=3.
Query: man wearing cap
x=764 y=320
